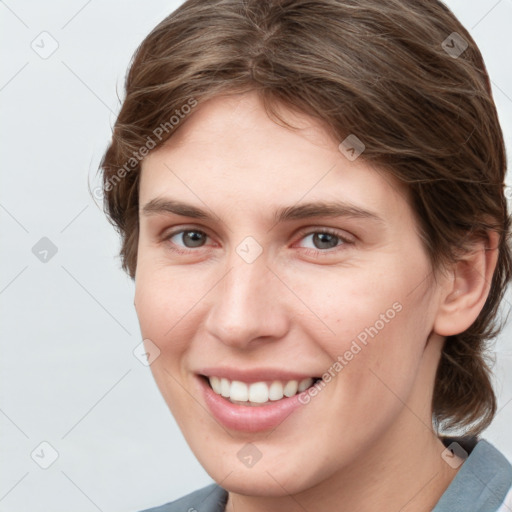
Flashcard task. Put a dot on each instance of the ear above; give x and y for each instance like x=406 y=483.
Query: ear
x=467 y=287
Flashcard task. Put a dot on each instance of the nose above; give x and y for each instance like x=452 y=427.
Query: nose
x=248 y=306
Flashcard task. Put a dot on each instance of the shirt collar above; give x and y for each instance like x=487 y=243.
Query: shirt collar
x=481 y=483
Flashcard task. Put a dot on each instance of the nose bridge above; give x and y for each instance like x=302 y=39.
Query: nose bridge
x=246 y=303
x=244 y=283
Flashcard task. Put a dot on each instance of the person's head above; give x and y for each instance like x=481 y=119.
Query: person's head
x=242 y=109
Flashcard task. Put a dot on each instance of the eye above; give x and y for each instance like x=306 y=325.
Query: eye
x=323 y=240
x=187 y=238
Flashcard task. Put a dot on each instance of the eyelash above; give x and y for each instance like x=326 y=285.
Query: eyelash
x=310 y=252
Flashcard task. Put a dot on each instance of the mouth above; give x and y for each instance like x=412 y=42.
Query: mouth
x=247 y=404
x=260 y=393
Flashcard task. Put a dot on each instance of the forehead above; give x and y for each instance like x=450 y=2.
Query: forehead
x=230 y=152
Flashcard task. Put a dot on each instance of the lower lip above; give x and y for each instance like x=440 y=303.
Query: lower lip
x=248 y=418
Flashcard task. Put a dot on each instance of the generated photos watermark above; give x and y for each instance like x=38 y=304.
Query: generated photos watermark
x=151 y=142
x=356 y=346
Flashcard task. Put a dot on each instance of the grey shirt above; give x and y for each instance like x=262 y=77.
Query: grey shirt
x=483 y=481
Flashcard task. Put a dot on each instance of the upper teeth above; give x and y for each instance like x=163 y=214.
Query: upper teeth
x=257 y=392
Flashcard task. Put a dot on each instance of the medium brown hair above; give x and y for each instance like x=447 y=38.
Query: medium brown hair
x=393 y=73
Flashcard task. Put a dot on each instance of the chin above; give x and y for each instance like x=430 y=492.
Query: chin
x=278 y=476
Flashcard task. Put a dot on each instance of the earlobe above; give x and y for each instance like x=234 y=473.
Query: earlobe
x=467 y=288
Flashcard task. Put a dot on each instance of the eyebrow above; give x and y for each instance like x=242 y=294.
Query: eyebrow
x=330 y=209
x=160 y=206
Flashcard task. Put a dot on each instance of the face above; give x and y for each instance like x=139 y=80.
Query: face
x=287 y=291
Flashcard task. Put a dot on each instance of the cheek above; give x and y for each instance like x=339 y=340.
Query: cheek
x=371 y=323
x=385 y=359
x=163 y=302
x=340 y=305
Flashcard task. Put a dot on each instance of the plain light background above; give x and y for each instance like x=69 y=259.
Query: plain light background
x=68 y=373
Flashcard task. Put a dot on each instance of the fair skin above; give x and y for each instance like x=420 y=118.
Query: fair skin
x=365 y=441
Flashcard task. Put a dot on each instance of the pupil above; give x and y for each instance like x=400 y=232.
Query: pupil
x=194 y=237
x=325 y=238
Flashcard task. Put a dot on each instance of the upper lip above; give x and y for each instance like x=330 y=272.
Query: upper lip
x=254 y=374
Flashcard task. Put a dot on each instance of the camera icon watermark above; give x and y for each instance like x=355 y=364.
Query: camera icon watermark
x=454 y=455
x=45 y=45
x=146 y=352
x=249 y=249
x=44 y=455
x=352 y=147
x=454 y=45
x=44 y=250
x=249 y=455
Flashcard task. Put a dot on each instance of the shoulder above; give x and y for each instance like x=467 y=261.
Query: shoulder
x=211 y=498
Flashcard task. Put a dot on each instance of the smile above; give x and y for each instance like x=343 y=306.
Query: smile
x=252 y=401
x=258 y=393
